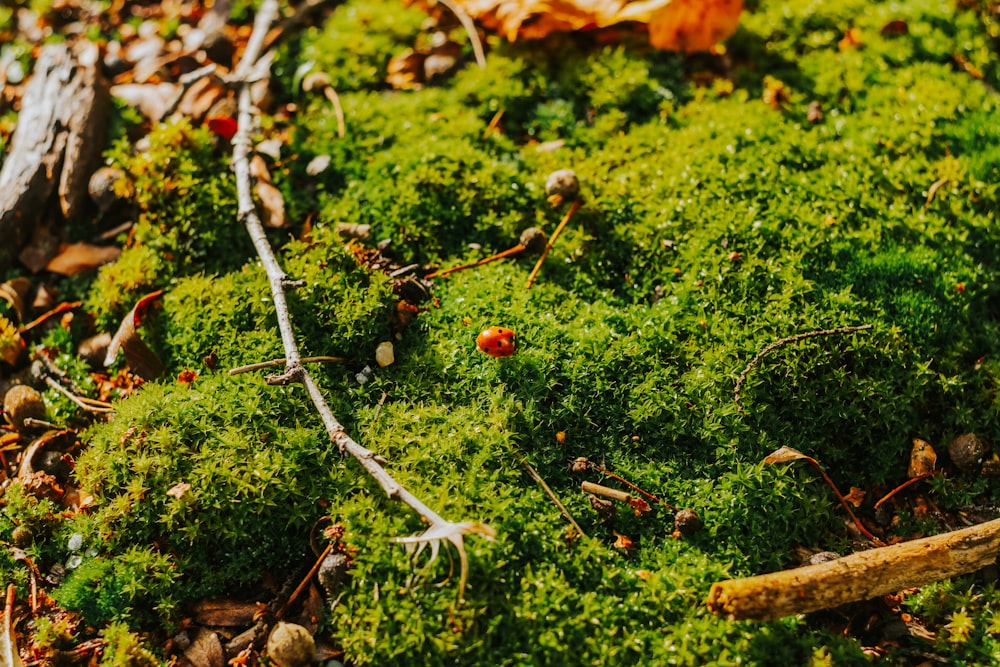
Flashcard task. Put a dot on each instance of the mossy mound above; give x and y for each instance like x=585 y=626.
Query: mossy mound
x=803 y=182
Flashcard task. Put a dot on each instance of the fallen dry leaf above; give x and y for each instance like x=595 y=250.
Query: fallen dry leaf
x=225 y=612
x=14 y=292
x=142 y=360
x=784 y=455
x=151 y=99
x=8 y=644
x=923 y=458
x=178 y=490
x=675 y=25
x=694 y=25
x=855 y=497
x=623 y=542
x=79 y=257
x=205 y=650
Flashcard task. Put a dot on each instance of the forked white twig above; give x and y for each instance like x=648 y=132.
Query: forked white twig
x=440 y=530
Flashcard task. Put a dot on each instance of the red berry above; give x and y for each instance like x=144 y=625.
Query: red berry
x=496 y=341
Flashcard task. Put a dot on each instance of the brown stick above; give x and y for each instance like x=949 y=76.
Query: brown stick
x=606 y=491
x=859 y=576
x=548 y=246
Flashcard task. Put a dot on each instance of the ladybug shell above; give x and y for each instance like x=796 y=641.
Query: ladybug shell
x=496 y=341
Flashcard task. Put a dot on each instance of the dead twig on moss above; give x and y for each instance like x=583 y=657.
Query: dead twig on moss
x=859 y=576
x=781 y=343
x=470 y=28
x=278 y=362
x=550 y=493
x=250 y=68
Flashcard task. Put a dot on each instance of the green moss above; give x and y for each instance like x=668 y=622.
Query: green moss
x=712 y=225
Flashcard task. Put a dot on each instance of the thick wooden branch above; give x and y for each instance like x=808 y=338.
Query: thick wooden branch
x=859 y=576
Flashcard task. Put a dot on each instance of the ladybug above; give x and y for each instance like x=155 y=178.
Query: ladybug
x=496 y=341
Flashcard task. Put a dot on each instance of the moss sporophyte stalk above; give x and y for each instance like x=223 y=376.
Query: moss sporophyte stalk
x=838 y=166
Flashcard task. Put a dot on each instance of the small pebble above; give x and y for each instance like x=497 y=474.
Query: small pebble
x=384 y=355
x=967 y=452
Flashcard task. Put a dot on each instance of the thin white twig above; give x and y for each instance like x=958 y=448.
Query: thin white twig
x=440 y=529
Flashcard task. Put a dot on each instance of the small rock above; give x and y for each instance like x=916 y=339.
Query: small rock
x=384 y=355
x=23 y=402
x=109 y=187
x=332 y=574
x=290 y=645
x=967 y=452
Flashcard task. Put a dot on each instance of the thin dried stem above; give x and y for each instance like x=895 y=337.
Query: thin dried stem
x=550 y=493
x=278 y=362
x=470 y=28
x=548 y=246
x=781 y=343
x=440 y=530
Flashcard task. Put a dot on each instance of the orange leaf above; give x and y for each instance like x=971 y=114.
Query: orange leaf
x=855 y=497
x=694 y=25
x=623 y=542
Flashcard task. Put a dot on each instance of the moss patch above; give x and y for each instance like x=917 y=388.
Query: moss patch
x=719 y=215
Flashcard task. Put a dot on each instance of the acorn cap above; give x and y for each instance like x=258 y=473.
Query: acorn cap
x=562 y=185
x=23 y=402
x=290 y=645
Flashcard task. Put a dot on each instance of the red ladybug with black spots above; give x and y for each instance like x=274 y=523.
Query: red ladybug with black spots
x=497 y=341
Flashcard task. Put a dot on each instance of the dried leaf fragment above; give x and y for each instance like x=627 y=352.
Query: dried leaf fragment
x=785 y=455
x=8 y=645
x=79 y=257
x=142 y=360
x=923 y=458
x=676 y=25
x=688 y=26
x=14 y=292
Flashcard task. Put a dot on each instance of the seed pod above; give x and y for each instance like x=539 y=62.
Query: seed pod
x=967 y=452
x=108 y=187
x=533 y=239
x=687 y=522
x=290 y=645
x=562 y=185
x=23 y=402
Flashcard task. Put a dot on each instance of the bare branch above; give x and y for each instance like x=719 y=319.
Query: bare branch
x=440 y=530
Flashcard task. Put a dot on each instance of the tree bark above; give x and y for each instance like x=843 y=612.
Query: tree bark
x=859 y=576
x=56 y=145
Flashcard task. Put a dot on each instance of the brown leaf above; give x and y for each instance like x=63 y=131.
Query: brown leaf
x=151 y=99
x=639 y=505
x=8 y=641
x=678 y=25
x=205 y=650
x=694 y=25
x=273 y=204
x=79 y=257
x=785 y=455
x=923 y=458
x=14 y=292
x=855 y=497
x=142 y=360
x=225 y=612
x=178 y=490
x=623 y=542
